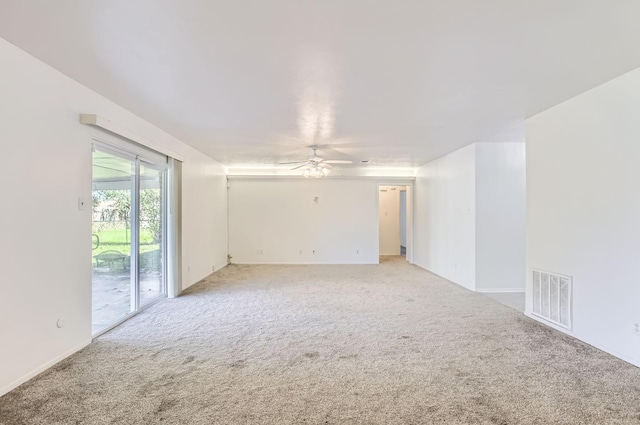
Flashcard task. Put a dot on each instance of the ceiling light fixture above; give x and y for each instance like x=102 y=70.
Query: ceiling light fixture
x=316 y=167
x=316 y=171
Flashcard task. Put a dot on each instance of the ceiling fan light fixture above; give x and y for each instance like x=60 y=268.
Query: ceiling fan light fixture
x=316 y=167
x=316 y=171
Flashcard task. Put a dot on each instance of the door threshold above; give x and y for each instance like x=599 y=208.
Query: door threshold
x=127 y=317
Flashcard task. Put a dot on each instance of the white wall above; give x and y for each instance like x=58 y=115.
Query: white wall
x=470 y=217
x=583 y=209
x=410 y=222
x=403 y=217
x=444 y=219
x=280 y=218
x=500 y=217
x=45 y=257
x=204 y=218
x=389 y=220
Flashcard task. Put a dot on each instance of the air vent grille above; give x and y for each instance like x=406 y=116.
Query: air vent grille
x=552 y=297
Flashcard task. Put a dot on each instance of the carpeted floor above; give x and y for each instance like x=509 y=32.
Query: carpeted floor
x=386 y=344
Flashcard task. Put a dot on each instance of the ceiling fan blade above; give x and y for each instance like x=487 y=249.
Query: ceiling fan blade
x=299 y=166
x=291 y=163
x=338 y=161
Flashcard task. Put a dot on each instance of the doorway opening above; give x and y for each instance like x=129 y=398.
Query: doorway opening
x=394 y=221
x=403 y=221
x=129 y=223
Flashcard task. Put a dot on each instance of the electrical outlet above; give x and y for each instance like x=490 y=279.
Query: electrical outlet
x=213 y=268
x=357 y=251
x=636 y=328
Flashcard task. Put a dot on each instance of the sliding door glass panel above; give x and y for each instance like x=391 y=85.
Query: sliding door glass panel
x=113 y=185
x=152 y=233
x=129 y=243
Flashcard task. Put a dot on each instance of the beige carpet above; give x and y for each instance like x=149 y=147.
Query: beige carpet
x=387 y=344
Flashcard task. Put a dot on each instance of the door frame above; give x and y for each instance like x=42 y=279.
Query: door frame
x=118 y=150
x=163 y=170
x=410 y=184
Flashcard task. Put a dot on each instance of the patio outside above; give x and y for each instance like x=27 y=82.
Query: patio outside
x=127 y=198
x=112 y=276
x=112 y=294
x=111 y=288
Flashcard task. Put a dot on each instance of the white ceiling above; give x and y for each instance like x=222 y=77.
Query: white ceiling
x=397 y=82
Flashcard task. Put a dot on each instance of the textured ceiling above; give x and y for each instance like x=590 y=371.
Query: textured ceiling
x=398 y=82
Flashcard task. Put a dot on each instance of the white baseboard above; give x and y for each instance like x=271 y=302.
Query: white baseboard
x=445 y=278
x=204 y=277
x=628 y=359
x=220 y=268
x=501 y=290
x=42 y=368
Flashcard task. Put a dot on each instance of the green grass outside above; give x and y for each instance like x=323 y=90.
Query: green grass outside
x=120 y=240
x=122 y=236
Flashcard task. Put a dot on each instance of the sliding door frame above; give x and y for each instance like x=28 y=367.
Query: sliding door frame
x=163 y=169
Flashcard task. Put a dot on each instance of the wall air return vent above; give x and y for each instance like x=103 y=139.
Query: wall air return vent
x=552 y=298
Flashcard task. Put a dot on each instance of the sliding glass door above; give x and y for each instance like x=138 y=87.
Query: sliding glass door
x=129 y=249
x=113 y=188
x=152 y=233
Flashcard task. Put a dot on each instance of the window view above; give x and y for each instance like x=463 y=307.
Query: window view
x=128 y=237
x=151 y=234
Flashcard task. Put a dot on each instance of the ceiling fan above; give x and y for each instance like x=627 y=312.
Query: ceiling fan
x=315 y=166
